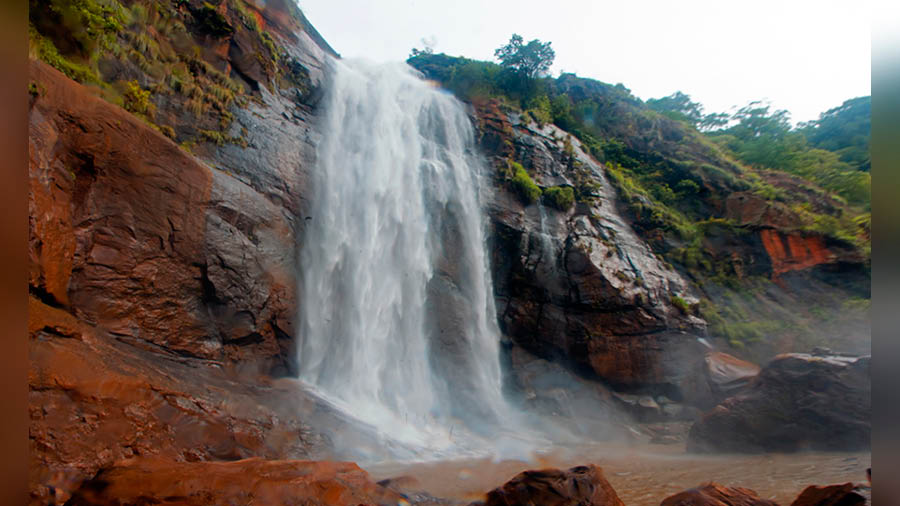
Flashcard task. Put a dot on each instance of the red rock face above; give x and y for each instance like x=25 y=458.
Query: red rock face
x=832 y=495
x=790 y=252
x=94 y=401
x=250 y=481
x=583 y=485
x=129 y=232
x=117 y=218
x=713 y=494
x=134 y=241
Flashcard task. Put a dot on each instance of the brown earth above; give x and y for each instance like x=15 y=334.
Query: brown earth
x=249 y=481
x=713 y=494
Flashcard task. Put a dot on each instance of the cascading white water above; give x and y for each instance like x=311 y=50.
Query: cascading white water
x=398 y=321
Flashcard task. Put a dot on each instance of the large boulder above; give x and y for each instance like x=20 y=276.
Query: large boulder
x=713 y=494
x=248 y=481
x=847 y=494
x=797 y=402
x=717 y=377
x=582 y=485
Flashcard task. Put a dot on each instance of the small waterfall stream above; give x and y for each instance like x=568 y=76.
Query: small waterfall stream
x=398 y=320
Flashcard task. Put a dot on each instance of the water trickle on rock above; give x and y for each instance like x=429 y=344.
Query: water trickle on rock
x=398 y=322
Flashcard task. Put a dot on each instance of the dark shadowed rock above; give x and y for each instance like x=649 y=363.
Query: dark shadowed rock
x=582 y=485
x=249 y=481
x=713 y=494
x=797 y=402
x=832 y=495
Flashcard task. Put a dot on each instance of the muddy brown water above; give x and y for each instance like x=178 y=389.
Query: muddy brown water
x=641 y=476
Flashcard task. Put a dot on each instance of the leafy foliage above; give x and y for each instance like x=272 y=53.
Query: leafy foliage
x=845 y=130
x=524 y=185
x=675 y=168
x=560 y=197
x=156 y=44
x=137 y=100
x=529 y=60
x=764 y=138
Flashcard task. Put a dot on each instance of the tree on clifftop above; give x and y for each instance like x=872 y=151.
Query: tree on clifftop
x=531 y=60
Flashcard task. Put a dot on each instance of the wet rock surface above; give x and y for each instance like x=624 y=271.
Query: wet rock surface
x=797 y=402
x=847 y=494
x=579 y=286
x=713 y=494
x=583 y=485
x=131 y=233
x=95 y=400
x=717 y=377
x=163 y=285
x=249 y=481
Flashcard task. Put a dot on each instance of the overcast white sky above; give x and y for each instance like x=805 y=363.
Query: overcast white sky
x=804 y=56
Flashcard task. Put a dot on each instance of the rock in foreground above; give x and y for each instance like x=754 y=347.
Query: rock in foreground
x=832 y=495
x=713 y=494
x=582 y=485
x=249 y=481
x=797 y=402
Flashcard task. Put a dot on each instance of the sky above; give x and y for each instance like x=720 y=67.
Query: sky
x=803 y=56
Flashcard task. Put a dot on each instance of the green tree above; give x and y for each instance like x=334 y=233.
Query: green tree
x=846 y=130
x=530 y=60
x=678 y=106
x=762 y=137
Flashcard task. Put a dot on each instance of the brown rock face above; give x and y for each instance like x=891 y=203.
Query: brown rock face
x=797 y=402
x=582 y=485
x=713 y=494
x=718 y=377
x=131 y=233
x=117 y=219
x=580 y=286
x=249 y=481
x=160 y=288
x=94 y=401
x=832 y=495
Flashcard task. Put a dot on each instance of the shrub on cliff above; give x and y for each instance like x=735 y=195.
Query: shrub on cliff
x=560 y=197
x=137 y=99
x=524 y=185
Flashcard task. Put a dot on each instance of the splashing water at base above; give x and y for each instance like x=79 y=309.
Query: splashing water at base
x=398 y=323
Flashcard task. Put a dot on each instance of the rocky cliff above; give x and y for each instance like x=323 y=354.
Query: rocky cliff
x=578 y=285
x=163 y=283
x=168 y=196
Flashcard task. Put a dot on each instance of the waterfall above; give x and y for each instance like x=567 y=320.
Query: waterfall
x=398 y=320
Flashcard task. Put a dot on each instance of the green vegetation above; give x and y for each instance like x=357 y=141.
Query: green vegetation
x=560 y=197
x=137 y=100
x=845 y=130
x=676 y=170
x=210 y=21
x=524 y=185
x=681 y=304
x=160 y=47
x=671 y=175
x=765 y=139
x=528 y=60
